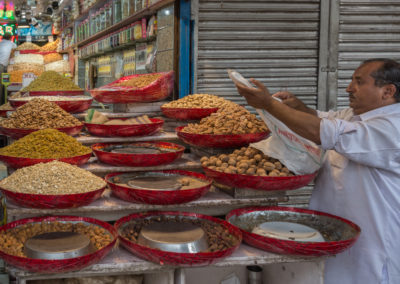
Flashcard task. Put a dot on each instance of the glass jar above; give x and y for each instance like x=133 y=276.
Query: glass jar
x=132 y=7
x=108 y=10
x=138 y=5
x=102 y=19
x=117 y=11
x=125 y=8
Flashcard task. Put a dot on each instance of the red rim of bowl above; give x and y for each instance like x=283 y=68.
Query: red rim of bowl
x=3 y=112
x=156 y=91
x=124 y=130
x=187 y=113
x=293 y=247
x=173 y=258
x=20 y=162
x=160 y=197
x=17 y=133
x=53 y=201
x=57 y=93
x=138 y=160
x=69 y=106
x=220 y=140
x=260 y=182
x=64 y=265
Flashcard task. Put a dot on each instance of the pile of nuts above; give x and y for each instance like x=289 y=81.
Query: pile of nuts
x=139 y=81
x=231 y=119
x=40 y=114
x=12 y=241
x=198 y=101
x=246 y=161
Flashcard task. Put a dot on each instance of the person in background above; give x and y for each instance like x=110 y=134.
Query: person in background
x=360 y=176
x=6 y=47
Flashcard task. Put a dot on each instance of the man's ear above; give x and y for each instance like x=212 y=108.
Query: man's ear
x=389 y=91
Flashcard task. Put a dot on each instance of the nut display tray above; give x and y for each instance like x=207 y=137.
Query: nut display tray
x=125 y=130
x=339 y=233
x=62 y=265
x=259 y=182
x=3 y=112
x=187 y=113
x=164 y=153
x=17 y=133
x=156 y=91
x=159 y=197
x=19 y=162
x=71 y=106
x=176 y=258
x=220 y=140
x=53 y=201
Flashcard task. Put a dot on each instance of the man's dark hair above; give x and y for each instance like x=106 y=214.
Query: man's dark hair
x=388 y=73
x=7 y=36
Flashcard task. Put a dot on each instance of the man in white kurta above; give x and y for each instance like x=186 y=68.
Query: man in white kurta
x=360 y=176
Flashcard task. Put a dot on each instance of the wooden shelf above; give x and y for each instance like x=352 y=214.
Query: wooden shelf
x=138 y=15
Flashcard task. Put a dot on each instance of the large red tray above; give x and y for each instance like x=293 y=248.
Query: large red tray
x=17 y=133
x=187 y=113
x=173 y=258
x=323 y=222
x=57 y=93
x=19 y=162
x=52 y=201
x=64 y=265
x=160 y=197
x=69 y=106
x=3 y=112
x=125 y=130
x=156 y=91
x=138 y=160
x=220 y=140
x=259 y=182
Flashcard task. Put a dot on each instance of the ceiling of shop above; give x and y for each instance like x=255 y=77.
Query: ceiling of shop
x=34 y=8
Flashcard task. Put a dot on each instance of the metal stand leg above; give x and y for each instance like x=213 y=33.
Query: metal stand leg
x=180 y=276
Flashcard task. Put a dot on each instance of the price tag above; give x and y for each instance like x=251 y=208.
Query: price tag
x=29 y=38
x=27 y=78
x=16 y=53
x=50 y=38
x=5 y=78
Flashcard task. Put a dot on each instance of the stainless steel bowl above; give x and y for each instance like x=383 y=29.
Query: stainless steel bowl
x=57 y=245
x=174 y=237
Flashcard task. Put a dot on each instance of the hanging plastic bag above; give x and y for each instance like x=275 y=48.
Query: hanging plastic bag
x=298 y=154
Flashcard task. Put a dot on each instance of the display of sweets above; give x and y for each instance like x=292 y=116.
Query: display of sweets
x=51 y=81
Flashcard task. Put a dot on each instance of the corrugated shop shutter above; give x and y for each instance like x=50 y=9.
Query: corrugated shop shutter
x=367 y=29
x=275 y=41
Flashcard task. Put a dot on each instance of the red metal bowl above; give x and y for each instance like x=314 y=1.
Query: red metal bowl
x=138 y=160
x=160 y=197
x=187 y=113
x=259 y=182
x=3 y=112
x=63 y=265
x=341 y=233
x=17 y=133
x=125 y=130
x=19 y=162
x=57 y=93
x=67 y=105
x=53 y=201
x=173 y=258
x=156 y=91
x=220 y=140
x=28 y=51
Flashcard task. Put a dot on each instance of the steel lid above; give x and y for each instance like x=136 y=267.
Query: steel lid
x=57 y=245
x=174 y=237
x=288 y=231
x=151 y=181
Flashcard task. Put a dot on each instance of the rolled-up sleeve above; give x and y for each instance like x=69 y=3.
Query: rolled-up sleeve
x=373 y=143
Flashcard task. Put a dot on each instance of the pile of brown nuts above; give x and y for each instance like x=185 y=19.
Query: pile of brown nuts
x=12 y=241
x=246 y=161
x=198 y=101
x=231 y=119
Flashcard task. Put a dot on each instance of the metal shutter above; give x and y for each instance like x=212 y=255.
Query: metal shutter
x=367 y=29
x=275 y=41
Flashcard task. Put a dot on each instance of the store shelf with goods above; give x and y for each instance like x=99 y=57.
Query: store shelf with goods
x=151 y=10
x=214 y=203
x=121 y=261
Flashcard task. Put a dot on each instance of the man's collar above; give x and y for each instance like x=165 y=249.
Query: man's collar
x=389 y=109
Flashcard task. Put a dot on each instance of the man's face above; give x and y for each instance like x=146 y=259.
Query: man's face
x=363 y=94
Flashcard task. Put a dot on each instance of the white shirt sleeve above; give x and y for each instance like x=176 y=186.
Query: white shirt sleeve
x=374 y=142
